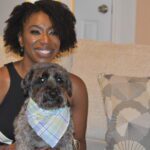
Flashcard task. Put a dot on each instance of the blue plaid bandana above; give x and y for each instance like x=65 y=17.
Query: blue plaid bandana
x=50 y=125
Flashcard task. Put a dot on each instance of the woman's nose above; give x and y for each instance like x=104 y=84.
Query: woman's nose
x=44 y=38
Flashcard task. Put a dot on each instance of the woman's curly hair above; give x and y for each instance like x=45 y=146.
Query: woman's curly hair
x=62 y=19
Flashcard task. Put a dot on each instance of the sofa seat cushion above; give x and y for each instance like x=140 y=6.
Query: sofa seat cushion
x=94 y=144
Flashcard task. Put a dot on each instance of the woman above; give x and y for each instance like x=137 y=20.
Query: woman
x=38 y=32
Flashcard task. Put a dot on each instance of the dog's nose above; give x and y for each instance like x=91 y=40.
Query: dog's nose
x=53 y=92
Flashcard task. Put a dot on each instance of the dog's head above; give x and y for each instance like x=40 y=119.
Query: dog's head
x=48 y=84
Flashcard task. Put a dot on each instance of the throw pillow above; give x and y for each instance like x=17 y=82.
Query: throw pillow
x=127 y=107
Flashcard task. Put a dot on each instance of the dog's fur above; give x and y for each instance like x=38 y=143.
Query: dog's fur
x=47 y=84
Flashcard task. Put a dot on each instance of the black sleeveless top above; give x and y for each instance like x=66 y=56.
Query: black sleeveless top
x=11 y=104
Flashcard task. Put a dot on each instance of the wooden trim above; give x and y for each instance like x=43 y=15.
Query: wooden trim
x=73 y=5
x=143 y=22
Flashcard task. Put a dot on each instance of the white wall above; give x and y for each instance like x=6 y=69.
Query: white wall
x=6 y=6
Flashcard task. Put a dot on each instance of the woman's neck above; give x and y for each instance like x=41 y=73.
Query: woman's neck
x=23 y=67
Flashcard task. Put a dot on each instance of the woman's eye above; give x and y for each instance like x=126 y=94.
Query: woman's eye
x=35 y=32
x=52 y=32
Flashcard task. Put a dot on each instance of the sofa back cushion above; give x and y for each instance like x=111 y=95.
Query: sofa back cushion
x=92 y=58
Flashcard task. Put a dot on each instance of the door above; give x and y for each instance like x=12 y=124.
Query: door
x=93 y=19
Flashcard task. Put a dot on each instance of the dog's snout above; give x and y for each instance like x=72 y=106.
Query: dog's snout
x=54 y=92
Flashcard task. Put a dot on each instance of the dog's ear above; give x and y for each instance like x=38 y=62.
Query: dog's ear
x=69 y=88
x=26 y=83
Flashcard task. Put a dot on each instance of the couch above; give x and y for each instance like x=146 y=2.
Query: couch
x=88 y=60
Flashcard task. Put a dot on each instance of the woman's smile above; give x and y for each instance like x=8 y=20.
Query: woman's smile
x=45 y=52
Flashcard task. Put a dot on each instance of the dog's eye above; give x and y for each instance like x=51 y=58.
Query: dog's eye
x=43 y=79
x=58 y=79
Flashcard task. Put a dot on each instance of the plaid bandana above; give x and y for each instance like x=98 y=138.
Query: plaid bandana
x=50 y=125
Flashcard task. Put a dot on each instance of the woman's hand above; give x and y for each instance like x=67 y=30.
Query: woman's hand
x=12 y=147
x=7 y=147
x=4 y=147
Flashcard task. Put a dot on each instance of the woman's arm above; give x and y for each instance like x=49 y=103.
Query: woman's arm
x=4 y=83
x=12 y=147
x=7 y=147
x=79 y=103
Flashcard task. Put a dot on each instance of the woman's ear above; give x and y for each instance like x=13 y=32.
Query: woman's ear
x=20 y=39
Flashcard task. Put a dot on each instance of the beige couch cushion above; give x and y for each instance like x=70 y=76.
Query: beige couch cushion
x=91 y=58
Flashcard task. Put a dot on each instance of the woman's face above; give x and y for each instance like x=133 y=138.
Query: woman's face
x=38 y=39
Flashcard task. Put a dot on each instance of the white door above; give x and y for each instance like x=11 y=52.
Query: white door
x=94 y=19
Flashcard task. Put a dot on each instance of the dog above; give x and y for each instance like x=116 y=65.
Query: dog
x=49 y=85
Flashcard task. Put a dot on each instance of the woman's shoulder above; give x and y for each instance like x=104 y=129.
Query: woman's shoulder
x=79 y=90
x=4 y=82
x=3 y=73
x=77 y=81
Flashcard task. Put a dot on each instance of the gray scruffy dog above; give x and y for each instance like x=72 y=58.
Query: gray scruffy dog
x=47 y=84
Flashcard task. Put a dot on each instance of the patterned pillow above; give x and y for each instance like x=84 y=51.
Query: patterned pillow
x=127 y=107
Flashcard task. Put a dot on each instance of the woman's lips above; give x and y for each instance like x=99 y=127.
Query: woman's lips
x=44 y=52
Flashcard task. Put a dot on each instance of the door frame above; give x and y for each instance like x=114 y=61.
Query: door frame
x=123 y=21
